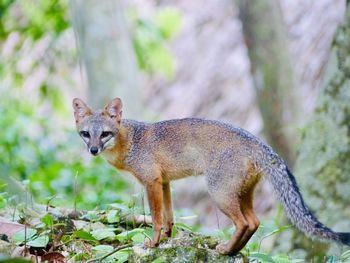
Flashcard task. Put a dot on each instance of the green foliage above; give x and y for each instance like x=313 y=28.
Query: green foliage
x=3 y=201
x=103 y=249
x=38 y=143
x=47 y=220
x=33 y=18
x=25 y=234
x=84 y=235
x=168 y=21
x=31 y=238
x=137 y=235
x=122 y=255
x=106 y=233
x=40 y=241
x=150 y=39
x=113 y=216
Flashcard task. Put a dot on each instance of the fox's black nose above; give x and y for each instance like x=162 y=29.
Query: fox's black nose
x=94 y=150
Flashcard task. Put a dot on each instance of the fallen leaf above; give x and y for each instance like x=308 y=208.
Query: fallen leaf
x=8 y=227
x=53 y=257
x=100 y=234
x=40 y=241
x=20 y=236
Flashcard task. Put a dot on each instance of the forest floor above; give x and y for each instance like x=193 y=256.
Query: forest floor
x=115 y=235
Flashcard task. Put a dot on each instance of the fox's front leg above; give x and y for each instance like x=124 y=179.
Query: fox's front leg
x=154 y=191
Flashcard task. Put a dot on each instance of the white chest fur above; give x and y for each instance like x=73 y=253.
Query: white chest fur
x=109 y=156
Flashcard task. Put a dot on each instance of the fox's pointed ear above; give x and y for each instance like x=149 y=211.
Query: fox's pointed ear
x=81 y=110
x=114 y=109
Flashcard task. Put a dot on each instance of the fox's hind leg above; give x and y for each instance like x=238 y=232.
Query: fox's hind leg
x=233 y=193
x=242 y=214
x=253 y=221
x=234 y=212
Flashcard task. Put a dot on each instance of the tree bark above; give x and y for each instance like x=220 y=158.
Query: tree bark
x=106 y=53
x=272 y=71
x=323 y=163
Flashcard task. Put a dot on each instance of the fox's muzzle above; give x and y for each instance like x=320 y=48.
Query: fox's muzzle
x=94 y=150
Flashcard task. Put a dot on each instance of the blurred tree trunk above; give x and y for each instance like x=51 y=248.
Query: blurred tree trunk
x=272 y=71
x=107 y=53
x=323 y=163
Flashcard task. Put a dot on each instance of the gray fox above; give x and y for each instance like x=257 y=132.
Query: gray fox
x=231 y=159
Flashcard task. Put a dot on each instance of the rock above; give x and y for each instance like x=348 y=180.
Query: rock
x=6 y=247
x=186 y=248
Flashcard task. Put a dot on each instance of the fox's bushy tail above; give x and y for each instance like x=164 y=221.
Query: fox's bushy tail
x=296 y=210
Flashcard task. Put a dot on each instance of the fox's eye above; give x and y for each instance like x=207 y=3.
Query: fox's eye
x=106 y=134
x=85 y=134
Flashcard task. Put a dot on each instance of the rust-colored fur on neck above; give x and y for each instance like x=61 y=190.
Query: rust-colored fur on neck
x=120 y=149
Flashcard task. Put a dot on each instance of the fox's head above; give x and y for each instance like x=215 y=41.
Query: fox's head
x=98 y=129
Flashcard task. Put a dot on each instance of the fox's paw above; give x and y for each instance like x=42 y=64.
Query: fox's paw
x=149 y=243
x=223 y=248
x=166 y=234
